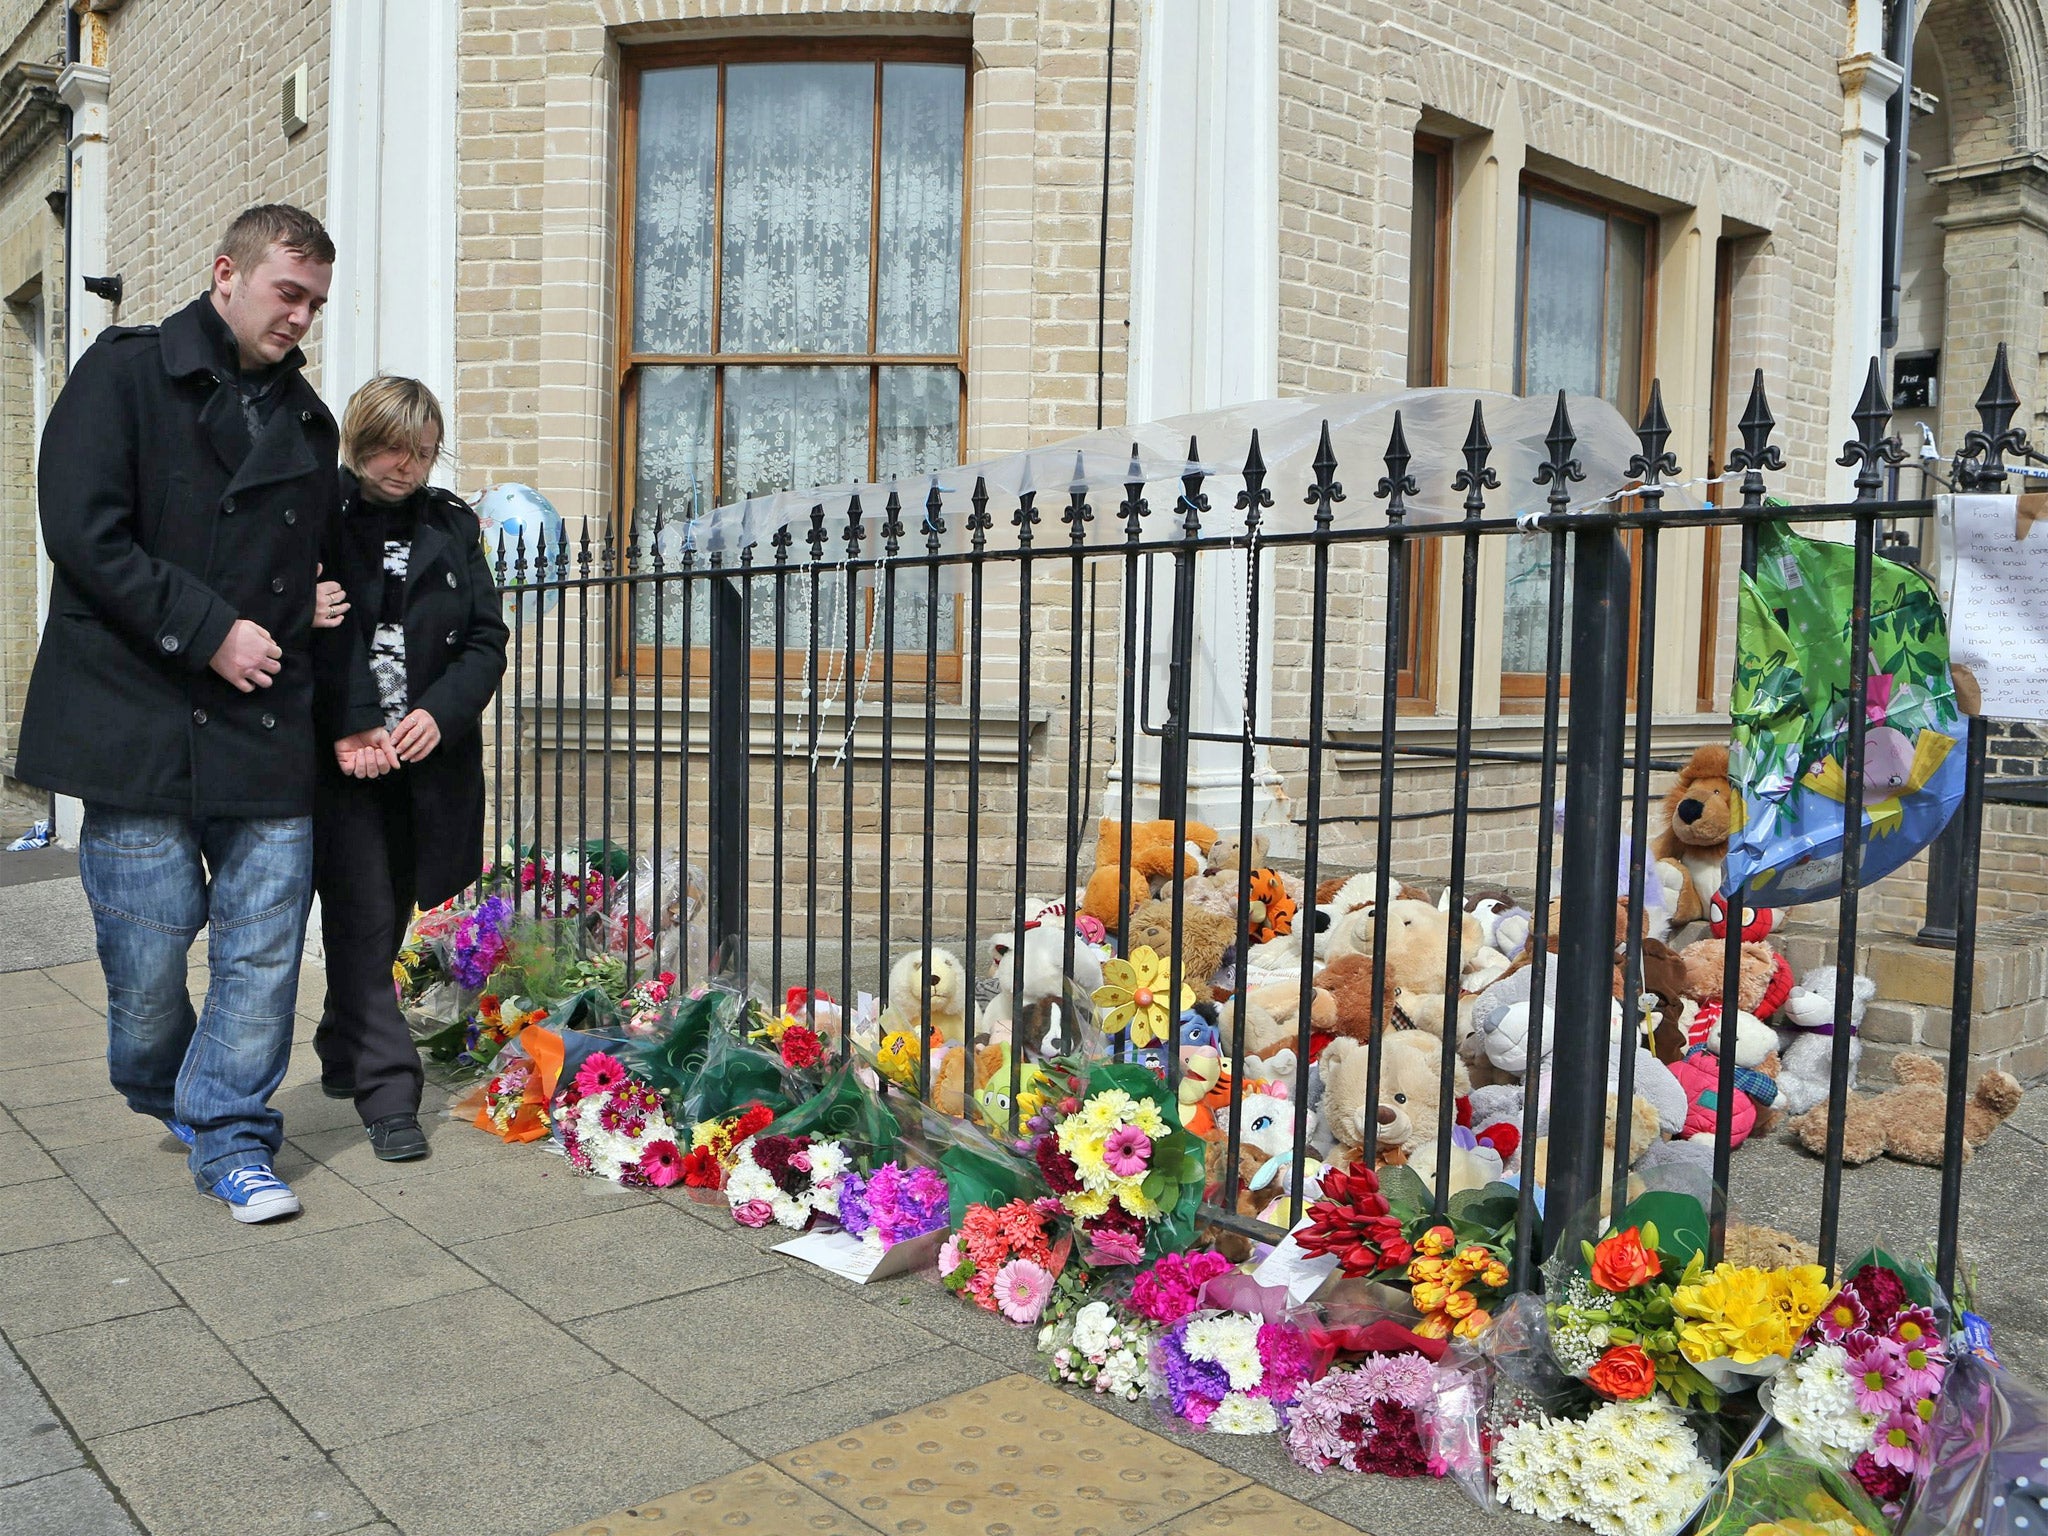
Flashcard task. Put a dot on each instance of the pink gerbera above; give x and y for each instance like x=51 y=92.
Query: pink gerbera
x=1126 y=1151
x=661 y=1163
x=1022 y=1290
x=1841 y=1317
x=949 y=1255
x=1879 y=1377
x=1114 y=1246
x=599 y=1073
x=1897 y=1443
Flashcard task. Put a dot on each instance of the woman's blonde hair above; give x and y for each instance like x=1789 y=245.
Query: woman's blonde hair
x=390 y=412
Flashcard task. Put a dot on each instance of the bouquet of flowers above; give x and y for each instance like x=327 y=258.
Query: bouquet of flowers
x=480 y=942
x=612 y=1125
x=1170 y=1291
x=1005 y=1258
x=1101 y=1347
x=645 y=1007
x=1379 y=1416
x=714 y=1145
x=1630 y=1468
x=1452 y=1286
x=1615 y=1326
x=1353 y=1223
x=1232 y=1373
x=892 y=1204
x=498 y=1021
x=1737 y=1321
x=1119 y=1164
x=785 y=1179
x=1861 y=1394
x=1779 y=1492
x=797 y=1043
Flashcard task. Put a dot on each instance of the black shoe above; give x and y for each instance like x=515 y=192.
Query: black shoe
x=335 y=1088
x=398 y=1139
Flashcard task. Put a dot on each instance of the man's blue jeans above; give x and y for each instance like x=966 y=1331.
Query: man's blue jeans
x=153 y=882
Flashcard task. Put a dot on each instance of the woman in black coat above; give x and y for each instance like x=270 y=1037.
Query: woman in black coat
x=415 y=581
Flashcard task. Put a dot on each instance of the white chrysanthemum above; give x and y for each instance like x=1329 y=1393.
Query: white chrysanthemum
x=1238 y=1414
x=1093 y=1328
x=1231 y=1342
x=749 y=1181
x=828 y=1161
x=1826 y=1371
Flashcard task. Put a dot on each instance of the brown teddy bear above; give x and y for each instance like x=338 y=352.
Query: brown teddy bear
x=949 y=1075
x=1411 y=1076
x=1749 y=1247
x=1418 y=945
x=1909 y=1121
x=1348 y=980
x=1700 y=811
x=1204 y=936
x=1153 y=864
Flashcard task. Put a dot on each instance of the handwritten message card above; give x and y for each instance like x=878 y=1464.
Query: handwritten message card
x=1998 y=608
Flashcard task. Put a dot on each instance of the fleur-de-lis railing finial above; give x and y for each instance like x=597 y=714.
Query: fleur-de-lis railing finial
x=1134 y=509
x=816 y=537
x=1560 y=469
x=1656 y=460
x=978 y=519
x=1981 y=464
x=660 y=523
x=892 y=523
x=1025 y=518
x=853 y=526
x=1326 y=490
x=1254 y=498
x=1871 y=449
x=1078 y=513
x=1477 y=477
x=1757 y=453
x=1397 y=485
x=934 y=521
x=781 y=542
x=1193 y=503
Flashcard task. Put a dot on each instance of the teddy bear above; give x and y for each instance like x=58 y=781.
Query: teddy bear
x=1910 y=1121
x=1205 y=936
x=1418 y=947
x=896 y=1061
x=1482 y=962
x=1410 y=1091
x=1348 y=981
x=950 y=995
x=1806 y=1037
x=1765 y=976
x=1047 y=984
x=1752 y=1247
x=1700 y=811
x=1155 y=862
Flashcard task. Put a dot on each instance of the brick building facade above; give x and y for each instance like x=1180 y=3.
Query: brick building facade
x=1220 y=203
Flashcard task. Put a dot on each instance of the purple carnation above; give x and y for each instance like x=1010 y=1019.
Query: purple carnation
x=480 y=943
x=1284 y=1353
x=1193 y=1387
x=854 y=1216
x=904 y=1204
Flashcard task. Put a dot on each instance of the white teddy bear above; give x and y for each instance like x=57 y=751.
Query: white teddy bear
x=1806 y=1037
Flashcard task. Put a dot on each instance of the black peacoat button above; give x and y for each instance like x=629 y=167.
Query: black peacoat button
x=451 y=578
x=453 y=637
x=277 y=583
x=169 y=643
x=227 y=505
x=290 y=516
x=199 y=717
x=269 y=721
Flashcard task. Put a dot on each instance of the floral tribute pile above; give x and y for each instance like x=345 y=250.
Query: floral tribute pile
x=1380 y=1416
x=1101 y=1347
x=785 y=1179
x=1232 y=1373
x=1114 y=1156
x=612 y=1125
x=714 y=1145
x=1630 y=1468
x=1006 y=1260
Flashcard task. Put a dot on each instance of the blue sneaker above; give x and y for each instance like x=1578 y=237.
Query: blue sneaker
x=256 y=1194
x=181 y=1130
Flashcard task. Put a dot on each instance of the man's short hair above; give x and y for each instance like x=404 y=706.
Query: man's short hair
x=249 y=239
x=389 y=412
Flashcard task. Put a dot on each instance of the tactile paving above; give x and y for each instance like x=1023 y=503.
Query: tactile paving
x=1253 y=1512
x=1017 y=1457
x=757 y=1499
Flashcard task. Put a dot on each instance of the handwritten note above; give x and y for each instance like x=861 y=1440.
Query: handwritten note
x=1998 y=607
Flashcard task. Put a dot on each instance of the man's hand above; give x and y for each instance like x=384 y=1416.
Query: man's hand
x=330 y=603
x=416 y=736
x=248 y=658
x=366 y=755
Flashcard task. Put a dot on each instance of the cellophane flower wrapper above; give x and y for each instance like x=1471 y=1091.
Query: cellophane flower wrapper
x=1988 y=1453
x=513 y=1102
x=673 y=1054
x=1383 y=1398
x=1102 y=1347
x=1788 y=1494
x=1235 y=1372
x=733 y=1072
x=844 y=1110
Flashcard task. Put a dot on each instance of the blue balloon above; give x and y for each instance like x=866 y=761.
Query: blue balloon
x=511 y=514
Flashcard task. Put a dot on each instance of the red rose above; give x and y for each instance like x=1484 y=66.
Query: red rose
x=801 y=1047
x=1621 y=1262
x=1623 y=1374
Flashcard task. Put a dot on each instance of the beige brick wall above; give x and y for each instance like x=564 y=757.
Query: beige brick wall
x=195 y=135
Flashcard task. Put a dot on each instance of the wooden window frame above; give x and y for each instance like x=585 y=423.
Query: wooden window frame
x=1415 y=687
x=909 y=666
x=1520 y=691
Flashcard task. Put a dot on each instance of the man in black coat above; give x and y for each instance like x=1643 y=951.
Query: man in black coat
x=187 y=483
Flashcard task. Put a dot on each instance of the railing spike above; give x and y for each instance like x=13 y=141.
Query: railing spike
x=1397 y=485
x=1980 y=466
x=1560 y=469
x=1254 y=497
x=1655 y=461
x=1757 y=453
x=1872 y=448
x=1327 y=490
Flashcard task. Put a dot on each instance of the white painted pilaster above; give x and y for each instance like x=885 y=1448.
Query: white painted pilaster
x=1868 y=81
x=1205 y=332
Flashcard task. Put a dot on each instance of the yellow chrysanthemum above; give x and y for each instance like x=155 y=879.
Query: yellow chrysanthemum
x=1088 y=1203
x=1135 y=994
x=1146 y=1117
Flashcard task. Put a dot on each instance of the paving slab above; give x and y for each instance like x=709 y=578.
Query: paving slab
x=22 y=1159
x=1421 y=1506
x=181 y=1223
x=245 y=1470
x=699 y=1350
x=280 y=1287
x=366 y=1377
x=783 y=1424
x=346 y=1150
x=107 y=1170
x=84 y=1121
x=507 y=1194
x=759 y=1498
x=1252 y=1512
x=74 y=1285
x=624 y=1258
x=921 y=1300
x=54 y=1082
x=33 y=989
x=33 y=1441
x=553 y=1455
x=75 y=1039
x=1017 y=1452
x=22 y=1026
x=75 y=1503
x=44 y=1213
x=139 y=1370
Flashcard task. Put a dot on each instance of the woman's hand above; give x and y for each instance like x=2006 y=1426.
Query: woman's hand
x=366 y=755
x=330 y=603
x=416 y=736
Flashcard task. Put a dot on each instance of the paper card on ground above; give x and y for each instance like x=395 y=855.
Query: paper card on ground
x=1998 y=604
x=848 y=1257
x=1301 y=1273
